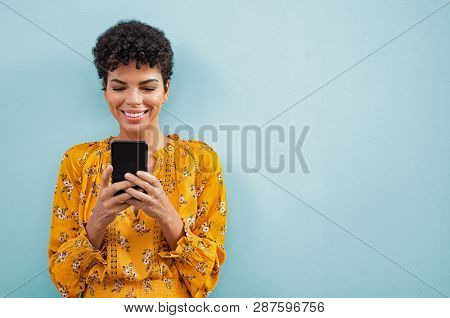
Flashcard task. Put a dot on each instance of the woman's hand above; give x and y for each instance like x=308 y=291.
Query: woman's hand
x=155 y=203
x=109 y=206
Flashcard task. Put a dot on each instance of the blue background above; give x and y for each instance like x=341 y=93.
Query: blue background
x=369 y=219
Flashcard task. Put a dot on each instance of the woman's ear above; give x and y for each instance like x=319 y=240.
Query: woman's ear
x=166 y=91
x=104 y=94
x=103 y=83
x=104 y=89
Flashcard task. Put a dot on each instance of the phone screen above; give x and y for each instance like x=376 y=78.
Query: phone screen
x=128 y=156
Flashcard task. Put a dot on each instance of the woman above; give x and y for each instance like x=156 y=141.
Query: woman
x=167 y=242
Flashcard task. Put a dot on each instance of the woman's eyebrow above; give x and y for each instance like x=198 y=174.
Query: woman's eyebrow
x=143 y=82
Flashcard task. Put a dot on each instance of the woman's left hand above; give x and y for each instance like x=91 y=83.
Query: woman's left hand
x=156 y=204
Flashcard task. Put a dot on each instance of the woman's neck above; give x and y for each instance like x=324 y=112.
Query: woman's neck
x=154 y=138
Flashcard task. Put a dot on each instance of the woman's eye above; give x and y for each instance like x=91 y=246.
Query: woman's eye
x=144 y=88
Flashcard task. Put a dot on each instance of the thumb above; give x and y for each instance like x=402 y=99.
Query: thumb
x=106 y=182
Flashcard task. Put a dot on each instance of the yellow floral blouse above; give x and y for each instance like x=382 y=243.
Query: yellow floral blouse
x=135 y=259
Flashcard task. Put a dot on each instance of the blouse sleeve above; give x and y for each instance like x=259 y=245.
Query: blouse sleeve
x=200 y=253
x=72 y=257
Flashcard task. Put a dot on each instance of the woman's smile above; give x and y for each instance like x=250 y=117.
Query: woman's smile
x=134 y=116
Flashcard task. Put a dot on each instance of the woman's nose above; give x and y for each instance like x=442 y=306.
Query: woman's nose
x=134 y=97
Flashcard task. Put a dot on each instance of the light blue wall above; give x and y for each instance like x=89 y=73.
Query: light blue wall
x=374 y=221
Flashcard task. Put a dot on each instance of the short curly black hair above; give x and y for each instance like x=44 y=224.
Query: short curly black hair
x=130 y=40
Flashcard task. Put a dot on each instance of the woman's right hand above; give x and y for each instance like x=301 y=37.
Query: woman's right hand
x=109 y=206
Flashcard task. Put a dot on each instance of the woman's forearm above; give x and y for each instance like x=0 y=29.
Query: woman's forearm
x=95 y=233
x=172 y=228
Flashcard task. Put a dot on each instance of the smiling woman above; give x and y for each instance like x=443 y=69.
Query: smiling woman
x=166 y=242
x=136 y=103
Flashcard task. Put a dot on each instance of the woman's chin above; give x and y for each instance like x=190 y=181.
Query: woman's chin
x=136 y=127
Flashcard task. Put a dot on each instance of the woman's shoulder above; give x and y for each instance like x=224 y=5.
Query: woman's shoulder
x=197 y=147
x=78 y=153
x=205 y=155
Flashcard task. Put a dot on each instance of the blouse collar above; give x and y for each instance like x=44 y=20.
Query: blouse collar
x=169 y=147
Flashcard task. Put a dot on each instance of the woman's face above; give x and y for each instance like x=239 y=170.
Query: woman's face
x=131 y=92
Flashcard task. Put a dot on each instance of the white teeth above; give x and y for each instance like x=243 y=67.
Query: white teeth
x=134 y=115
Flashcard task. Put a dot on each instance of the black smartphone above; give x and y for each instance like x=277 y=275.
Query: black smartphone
x=128 y=156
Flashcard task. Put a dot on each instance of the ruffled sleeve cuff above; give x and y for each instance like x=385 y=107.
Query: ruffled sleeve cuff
x=198 y=260
x=94 y=262
x=79 y=256
x=189 y=245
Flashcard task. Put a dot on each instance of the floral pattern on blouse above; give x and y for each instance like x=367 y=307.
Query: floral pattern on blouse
x=135 y=259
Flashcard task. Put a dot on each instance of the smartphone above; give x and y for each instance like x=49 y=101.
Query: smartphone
x=128 y=156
